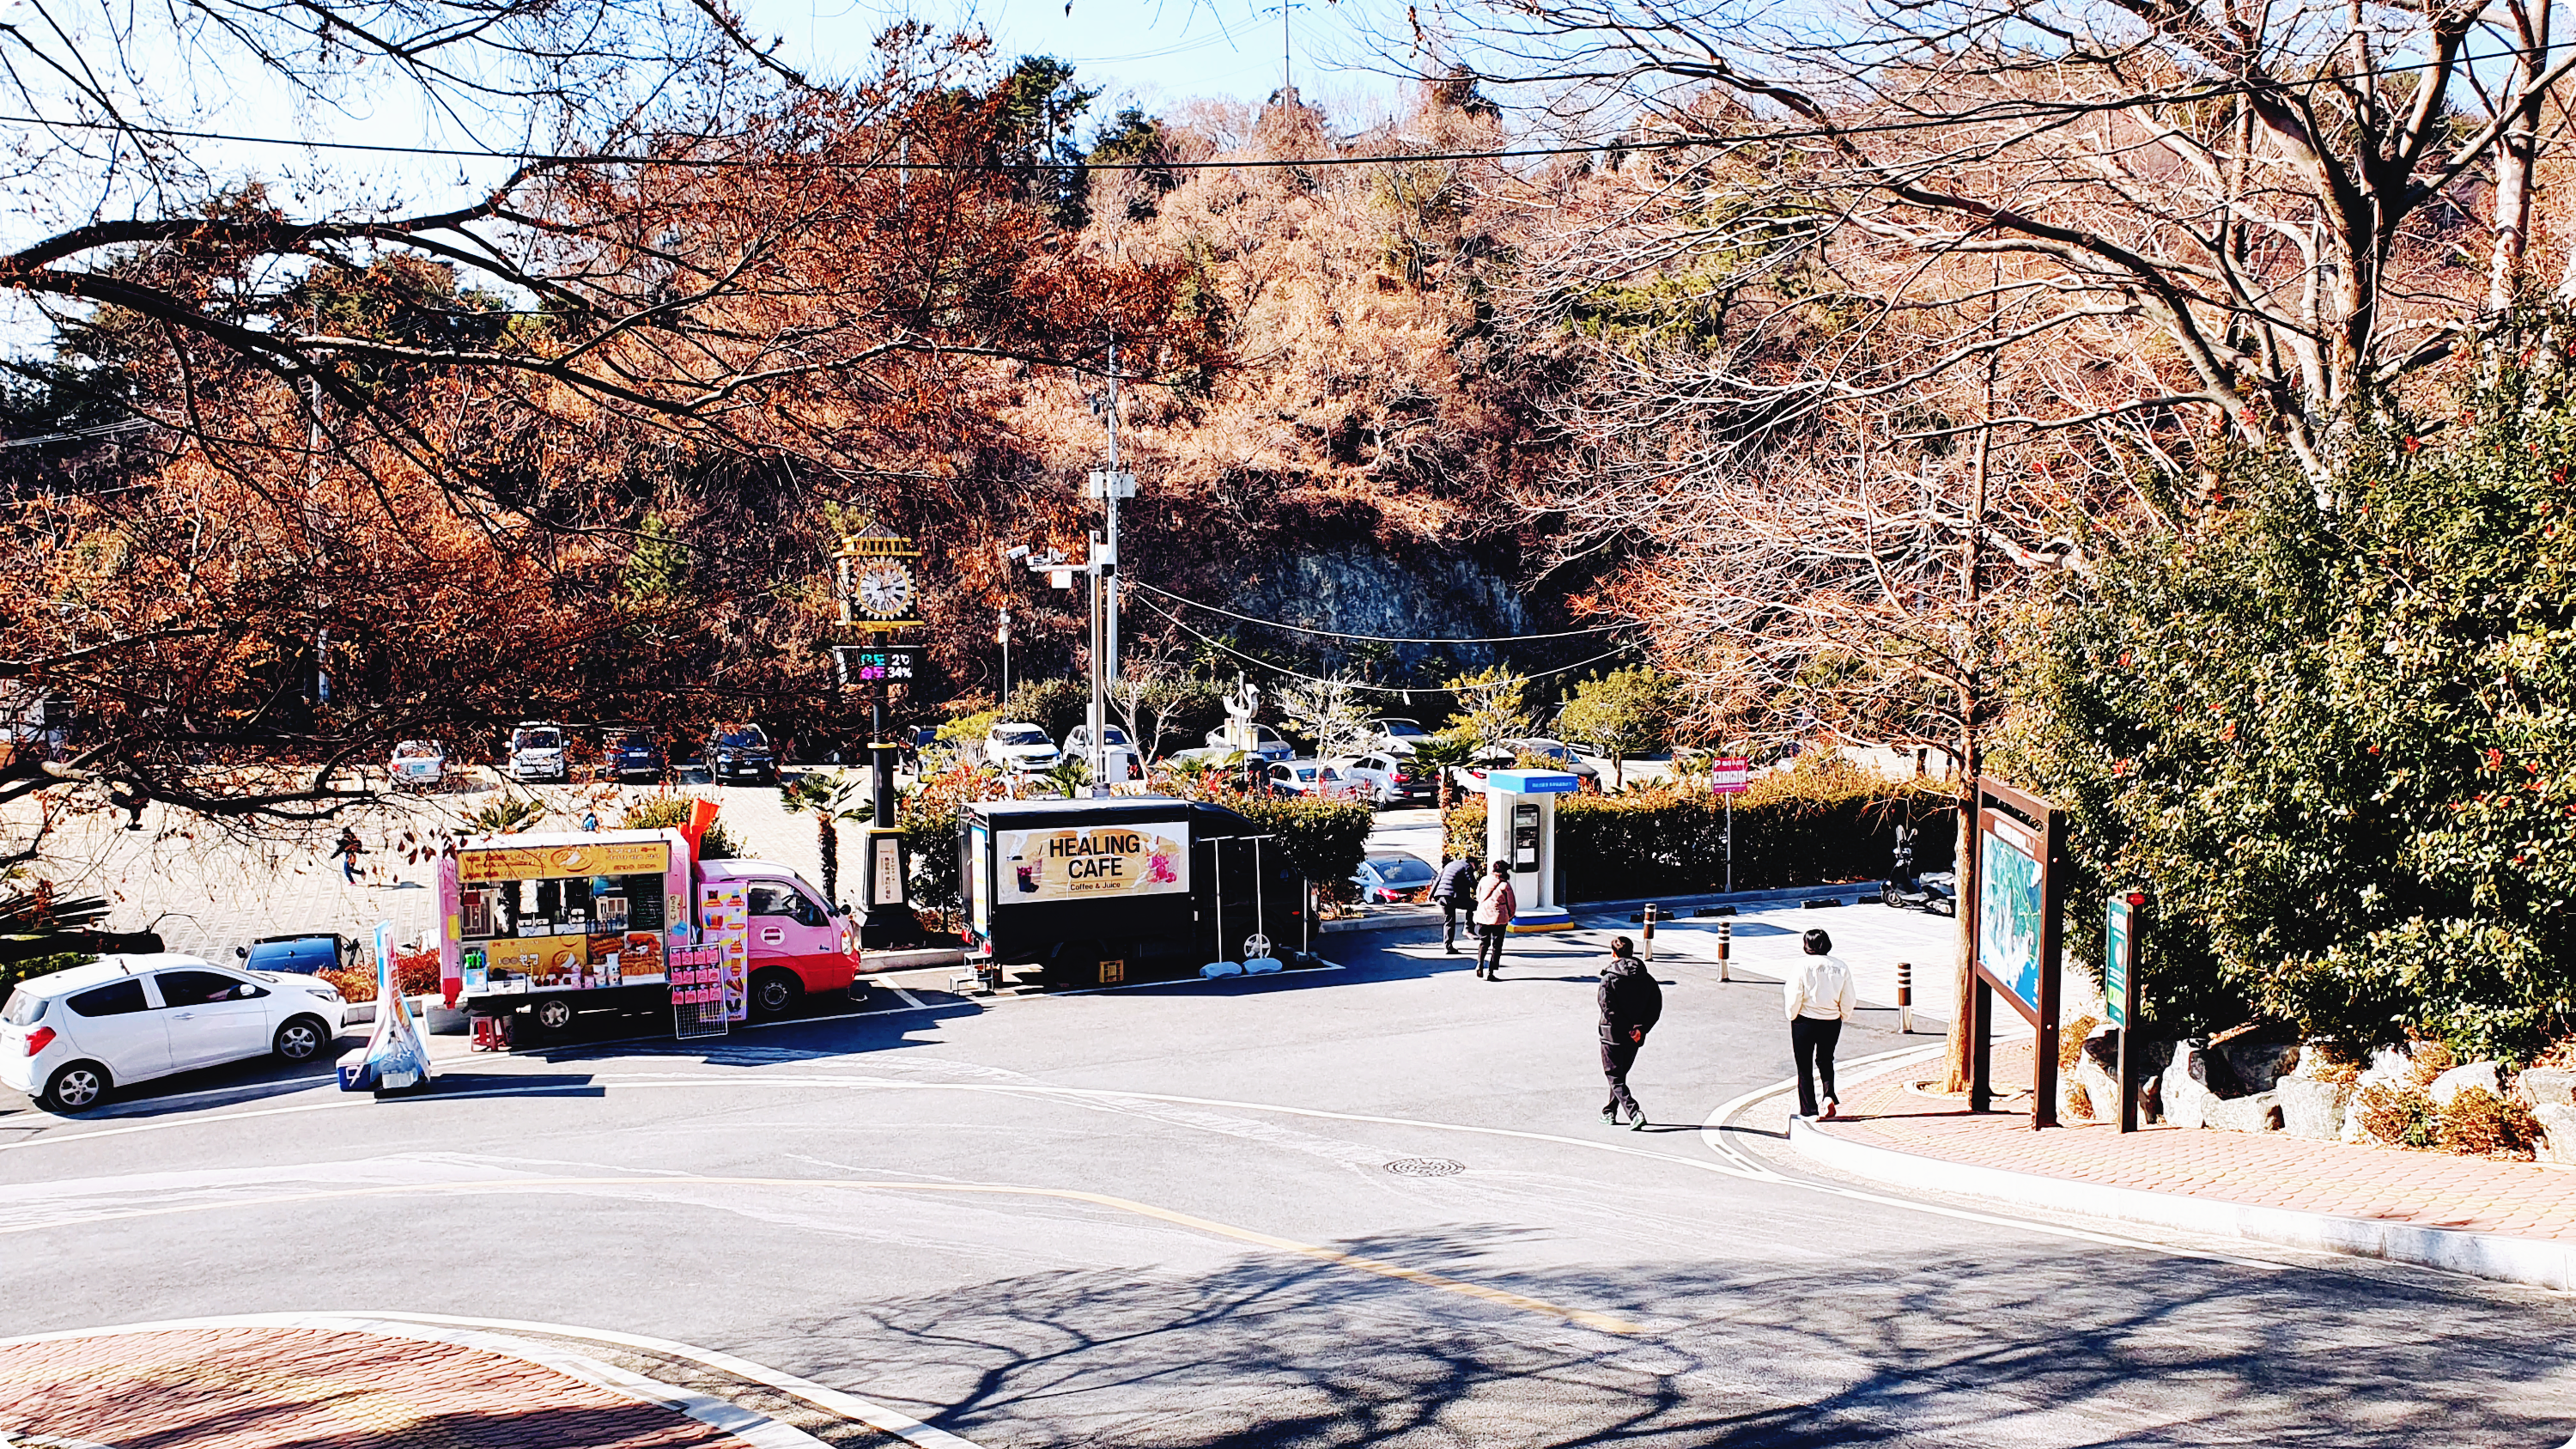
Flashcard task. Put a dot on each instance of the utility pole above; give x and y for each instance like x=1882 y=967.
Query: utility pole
x=1109 y=485
x=1002 y=636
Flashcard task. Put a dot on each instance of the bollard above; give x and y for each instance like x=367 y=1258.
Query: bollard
x=1725 y=946
x=1650 y=932
x=1904 y=998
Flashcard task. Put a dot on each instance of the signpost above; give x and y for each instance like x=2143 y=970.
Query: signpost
x=2120 y=928
x=1728 y=775
x=2016 y=932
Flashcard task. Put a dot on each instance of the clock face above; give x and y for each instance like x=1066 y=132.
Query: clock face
x=885 y=591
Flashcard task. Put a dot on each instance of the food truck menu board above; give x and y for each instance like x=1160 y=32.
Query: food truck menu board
x=724 y=921
x=563 y=918
x=1084 y=862
x=697 y=991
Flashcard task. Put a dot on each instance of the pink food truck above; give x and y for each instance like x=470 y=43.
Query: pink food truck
x=555 y=925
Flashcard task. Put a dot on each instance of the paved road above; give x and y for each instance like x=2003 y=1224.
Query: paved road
x=1365 y=1206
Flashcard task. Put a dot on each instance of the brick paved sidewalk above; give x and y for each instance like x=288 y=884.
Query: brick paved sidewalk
x=2383 y=1184
x=214 y=1388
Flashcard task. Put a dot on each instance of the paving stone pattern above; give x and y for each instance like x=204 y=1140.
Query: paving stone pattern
x=251 y=1388
x=2425 y=1189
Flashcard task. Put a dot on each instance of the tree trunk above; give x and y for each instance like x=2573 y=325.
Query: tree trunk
x=827 y=840
x=1971 y=762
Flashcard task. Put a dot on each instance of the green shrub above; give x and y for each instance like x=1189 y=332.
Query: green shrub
x=1324 y=839
x=1824 y=821
x=1053 y=705
x=669 y=810
x=13 y=972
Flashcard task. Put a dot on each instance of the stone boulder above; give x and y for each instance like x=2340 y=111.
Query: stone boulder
x=2256 y=1065
x=2184 y=1087
x=2310 y=1108
x=2557 y=1141
x=2460 y=1078
x=2260 y=1112
x=2547 y=1087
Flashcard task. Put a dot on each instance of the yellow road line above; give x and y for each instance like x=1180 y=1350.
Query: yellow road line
x=1584 y=1317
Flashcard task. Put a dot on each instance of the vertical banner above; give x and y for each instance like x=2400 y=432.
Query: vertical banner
x=451 y=934
x=395 y=1058
x=724 y=921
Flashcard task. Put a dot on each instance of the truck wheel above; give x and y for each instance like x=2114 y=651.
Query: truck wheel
x=76 y=1087
x=554 y=1013
x=301 y=1039
x=774 y=992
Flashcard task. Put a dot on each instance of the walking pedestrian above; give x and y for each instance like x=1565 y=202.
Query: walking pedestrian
x=1820 y=998
x=1496 y=904
x=1631 y=1003
x=349 y=850
x=1454 y=892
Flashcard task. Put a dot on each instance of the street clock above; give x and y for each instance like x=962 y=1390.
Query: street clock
x=885 y=589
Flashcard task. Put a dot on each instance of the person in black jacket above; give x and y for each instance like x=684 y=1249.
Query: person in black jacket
x=1631 y=1003
x=1453 y=892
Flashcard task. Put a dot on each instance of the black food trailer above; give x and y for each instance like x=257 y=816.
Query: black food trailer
x=1101 y=891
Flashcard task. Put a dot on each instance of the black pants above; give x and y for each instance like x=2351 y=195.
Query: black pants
x=1812 y=1041
x=1449 y=925
x=1616 y=1058
x=1489 y=946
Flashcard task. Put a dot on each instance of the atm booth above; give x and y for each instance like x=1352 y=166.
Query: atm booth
x=1520 y=828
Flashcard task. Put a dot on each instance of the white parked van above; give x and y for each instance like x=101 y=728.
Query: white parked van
x=538 y=752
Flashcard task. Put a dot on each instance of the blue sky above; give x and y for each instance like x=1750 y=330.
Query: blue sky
x=1154 y=51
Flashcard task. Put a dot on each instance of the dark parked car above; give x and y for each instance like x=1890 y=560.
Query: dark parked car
x=303 y=954
x=635 y=755
x=741 y=752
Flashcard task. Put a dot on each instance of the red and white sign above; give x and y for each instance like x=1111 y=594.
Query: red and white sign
x=1727 y=774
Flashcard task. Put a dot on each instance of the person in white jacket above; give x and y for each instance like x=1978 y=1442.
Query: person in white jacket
x=1820 y=998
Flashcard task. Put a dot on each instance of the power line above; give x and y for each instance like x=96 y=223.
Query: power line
x=1375 y=638
x=1220 y=644
x=2002 y=112
x=104 y=430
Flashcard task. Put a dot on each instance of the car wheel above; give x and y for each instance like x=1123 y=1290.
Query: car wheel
x=76 y=1087
x=301 y=1039
x=554 y=1013
x=775 y=992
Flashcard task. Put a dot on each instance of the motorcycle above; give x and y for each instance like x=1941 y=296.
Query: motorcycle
x=1935 y=892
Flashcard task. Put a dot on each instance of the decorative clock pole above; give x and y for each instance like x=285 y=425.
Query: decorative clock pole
x=878 y=597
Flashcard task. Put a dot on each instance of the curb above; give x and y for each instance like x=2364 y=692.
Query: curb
x=2534 y=1262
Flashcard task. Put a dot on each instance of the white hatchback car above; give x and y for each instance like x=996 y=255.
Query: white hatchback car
x=66 y=1038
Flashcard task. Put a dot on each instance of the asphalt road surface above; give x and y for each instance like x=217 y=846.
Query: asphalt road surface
x=1363 y=1206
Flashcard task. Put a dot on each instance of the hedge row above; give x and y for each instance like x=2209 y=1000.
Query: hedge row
x=1818 y=824
x=1327 y=839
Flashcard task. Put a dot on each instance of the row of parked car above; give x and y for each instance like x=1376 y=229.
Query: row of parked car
x=541 y=752
x=1384 y=773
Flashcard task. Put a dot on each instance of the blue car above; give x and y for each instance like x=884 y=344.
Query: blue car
x=635 y=755
x=303 y=955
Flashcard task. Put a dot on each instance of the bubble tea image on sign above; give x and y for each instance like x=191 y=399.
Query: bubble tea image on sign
x=1077 y=863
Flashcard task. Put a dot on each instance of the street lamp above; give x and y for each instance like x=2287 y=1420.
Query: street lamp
x=1060 y=570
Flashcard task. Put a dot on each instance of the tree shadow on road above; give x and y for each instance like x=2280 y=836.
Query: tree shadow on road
x=2028 y=1344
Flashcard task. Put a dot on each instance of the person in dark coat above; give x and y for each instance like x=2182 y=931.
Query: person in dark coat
x=1631 y=1003
x=1454 y=891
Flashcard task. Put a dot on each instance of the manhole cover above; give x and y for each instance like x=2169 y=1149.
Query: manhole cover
x=1424 y=1167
